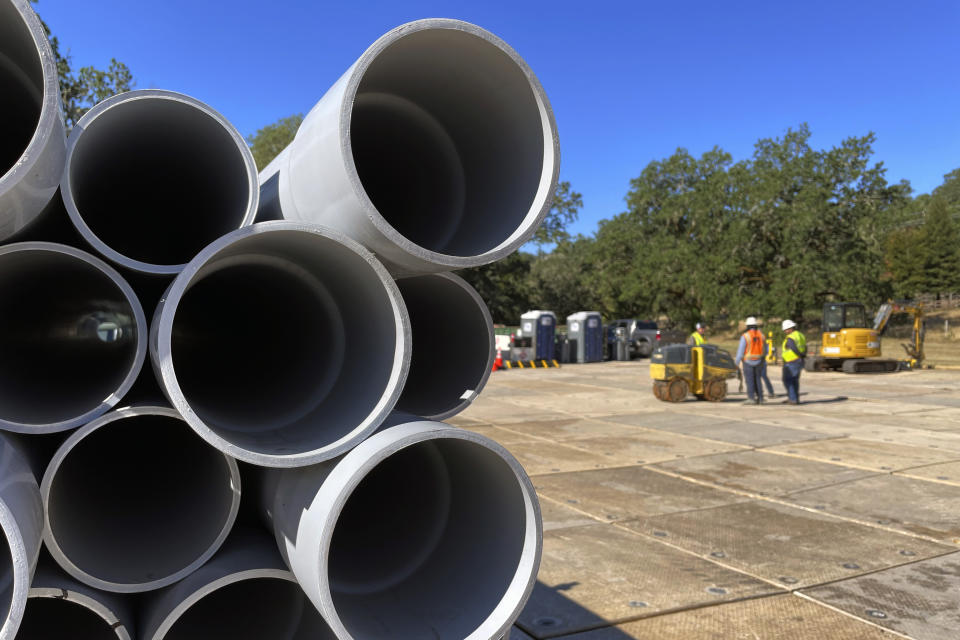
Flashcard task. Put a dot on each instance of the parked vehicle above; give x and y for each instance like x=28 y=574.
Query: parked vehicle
x=642 y=337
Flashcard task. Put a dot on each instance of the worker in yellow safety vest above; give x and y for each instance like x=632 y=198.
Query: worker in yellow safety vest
x=794 y=350
x=696 y=338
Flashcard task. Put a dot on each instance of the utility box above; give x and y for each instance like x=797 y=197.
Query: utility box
x=541 y=328
x=585 y=333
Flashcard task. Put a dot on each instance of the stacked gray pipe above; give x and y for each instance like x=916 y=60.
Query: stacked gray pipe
x=287 y=344
x=61 y=607
x=21 y=522
x=153 y=176
x=423 y=530
x=282 y=344
x=437 y=150
x=32 y=138
x=72 y=334
x=133 y=501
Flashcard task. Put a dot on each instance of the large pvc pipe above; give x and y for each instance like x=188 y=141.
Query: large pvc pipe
x=32 y=139
x=61 y=607
x=422 y=530
x=282 y=344
x=21 y=523
x=453 y=345
x=73 y=337
x=244 y=593
x=437 y=150
x=152 y=176
x=134 y=501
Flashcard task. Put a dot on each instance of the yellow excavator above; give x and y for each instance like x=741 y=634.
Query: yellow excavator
x=849 y=344
x=679 y=369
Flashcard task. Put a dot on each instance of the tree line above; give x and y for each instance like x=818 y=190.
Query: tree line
x=774 y=235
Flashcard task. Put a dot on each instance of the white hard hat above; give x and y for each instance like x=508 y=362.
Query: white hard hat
x=788 y=324
x=751 y=321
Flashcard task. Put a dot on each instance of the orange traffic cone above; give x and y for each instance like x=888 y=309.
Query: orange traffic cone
x=498 y=361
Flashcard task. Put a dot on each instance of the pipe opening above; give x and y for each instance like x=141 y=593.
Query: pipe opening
x=453 y=341
x=285 y=342
x=157 y=179
x=7 y=578
x=138 y=500
x=448 y=141
x=68 y=337
x=48 y=617
x=438 y=526
x=21 y=85
x=252 y=609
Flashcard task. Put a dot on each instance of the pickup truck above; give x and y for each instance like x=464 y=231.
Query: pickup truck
x=643 y=336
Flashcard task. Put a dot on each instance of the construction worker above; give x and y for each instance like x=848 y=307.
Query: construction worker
x=752 y=351
x=794 y=350
x=763 y=370
x=696 y=338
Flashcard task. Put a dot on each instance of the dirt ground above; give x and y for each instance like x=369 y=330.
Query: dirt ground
x=838 y=518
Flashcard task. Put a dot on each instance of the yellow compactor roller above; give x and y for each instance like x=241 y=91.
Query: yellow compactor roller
x=679 y=369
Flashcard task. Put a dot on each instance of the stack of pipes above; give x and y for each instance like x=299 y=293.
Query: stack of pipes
x=281 y=471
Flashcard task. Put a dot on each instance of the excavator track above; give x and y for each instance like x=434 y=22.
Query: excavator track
x=864 y=365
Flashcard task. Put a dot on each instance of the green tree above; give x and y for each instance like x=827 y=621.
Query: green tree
x=564 y=210
x=269 y=141
x=906 y=259
x=559 y=280
x=941 y=242
x=949 y=191
x=81 y=90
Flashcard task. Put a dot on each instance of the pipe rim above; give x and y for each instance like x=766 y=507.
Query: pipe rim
x=50 y=111
x=66 y=188
x=206 y=589
x=20 y=566
x=551 y=148
x=76 y=572
x=488 y=367
x=161 y=345
x=88 y=602
x=347 y=475
x=139 y=356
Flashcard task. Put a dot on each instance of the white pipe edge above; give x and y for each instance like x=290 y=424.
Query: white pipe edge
x=21 y=522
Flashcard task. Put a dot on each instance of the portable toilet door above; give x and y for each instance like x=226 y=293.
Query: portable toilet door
x=576 y=323
x=546 y=335
x=593 y=337
x=543 y=327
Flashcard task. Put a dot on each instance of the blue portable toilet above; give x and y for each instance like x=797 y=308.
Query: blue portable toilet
x=585 y=328
x=541 y=326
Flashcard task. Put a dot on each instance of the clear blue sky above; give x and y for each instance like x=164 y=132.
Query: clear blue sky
x=629 y=81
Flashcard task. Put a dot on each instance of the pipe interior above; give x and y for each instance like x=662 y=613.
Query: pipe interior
x=430 y=540
x=451 y=345
x=46 y=618
x=252 y=609
x=139 y=499
x=447 y=139
x=284 y=342
x=157 y=179
x=6 y=577
x=68 y=337
x=21 y=85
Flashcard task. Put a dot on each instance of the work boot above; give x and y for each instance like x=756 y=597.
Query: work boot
x=749 y=402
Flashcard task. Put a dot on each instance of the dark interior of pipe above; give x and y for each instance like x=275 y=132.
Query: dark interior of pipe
x=6 y=576
x=252 y=609
x=437 y=527
x=289 y=347
x=51 y=618
x=139 y=499
x=157 y=180
x=452 y=345
x=447 y=139
x=21 y=85
x=68 y=337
